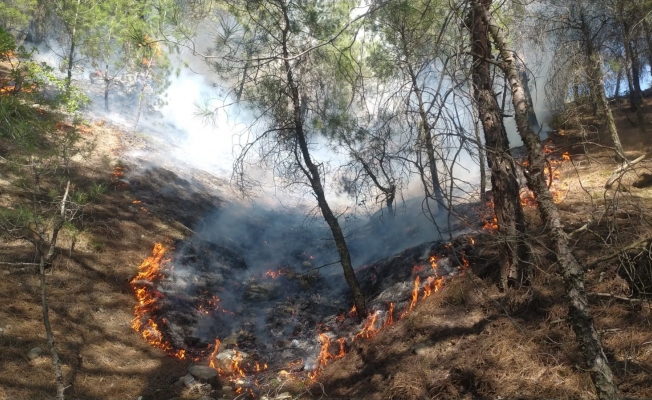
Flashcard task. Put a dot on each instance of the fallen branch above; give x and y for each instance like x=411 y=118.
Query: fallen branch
x=620 y=171
x=615 y=254
x=19 y=263
x=617 y=297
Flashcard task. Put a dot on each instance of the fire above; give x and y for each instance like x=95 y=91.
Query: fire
x=369 y=329
x=491 y=226
x=274 y=274
x=390 y=316
x=558 y=188
x=415 y=296
x=323 y=357
x=353 y=312
x=211 y=358
x=342 y=352
x=148 y=272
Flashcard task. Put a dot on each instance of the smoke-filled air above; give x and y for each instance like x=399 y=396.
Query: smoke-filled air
x=283 y=200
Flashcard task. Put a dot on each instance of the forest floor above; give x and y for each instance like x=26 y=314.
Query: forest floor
x=467 y=341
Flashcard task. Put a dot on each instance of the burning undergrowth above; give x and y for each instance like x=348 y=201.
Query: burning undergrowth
x=254 y=319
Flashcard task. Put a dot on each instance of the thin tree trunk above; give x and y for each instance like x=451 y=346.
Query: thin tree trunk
x=635 y=96
x=481 y=160
x=107 y=83
x=522 y=71
x=71 y=54
x=56 y=363
x=141 y=96
x=313 y=175
x=579 y=313
x=430 y=149
x=597 y=86
x=46 y=262
x=619 y=78
x=513 y=259
x=648 y=39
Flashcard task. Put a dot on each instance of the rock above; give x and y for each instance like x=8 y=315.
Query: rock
x=34 y=353
x=262 y=291
x=227 y=388
x=283 y=396
x=421 y=348
x=307 y=264
x=226 y=358
x=202 y=372
x=205 y=398
x=188 y=380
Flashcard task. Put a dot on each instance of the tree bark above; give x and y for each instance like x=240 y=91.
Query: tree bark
x=71 y=54
x=427 y=139
x=635 y=95
x=314 y=176
x=514 y=254
x=596 y=82
x=46 y=260
x=482 y=161
x=573 y=273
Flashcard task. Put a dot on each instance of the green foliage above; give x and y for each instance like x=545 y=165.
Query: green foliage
x=7 y=44
x=19 y=217
x=97 y=246
x=96 y=191
x=16 y=14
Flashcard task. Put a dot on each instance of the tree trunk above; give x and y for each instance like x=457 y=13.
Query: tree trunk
x=107 y=83
x=71 y=54
x=427 y=138
x=597 y=86
x=522 y=71
x=648 y=39
x=313 y=175
x=481 y=160
x=579 y=313
x=619 y=78
x=513 y=259
x=635 y=95
x=56 y=363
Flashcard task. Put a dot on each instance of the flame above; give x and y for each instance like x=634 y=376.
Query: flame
x=274 y=274
x=390 y=316
x=558 y=189
x=353 y=312
x=342 y=351
x=465 y=262
x=369 y=329
x=323 y=357
x=472 y=241
x=211 y=358
x=415 y=297
x=149 y=272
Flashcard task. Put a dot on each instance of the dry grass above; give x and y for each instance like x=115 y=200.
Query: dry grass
x=475 y=342
x=90 y=299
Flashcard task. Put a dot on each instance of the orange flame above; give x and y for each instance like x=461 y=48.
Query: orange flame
x=148 y=272
x=369 y=329
x=211 y=358
x=558 y=189
x=390 y=316
x=415 y=296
